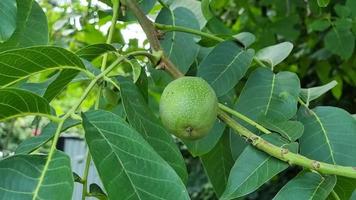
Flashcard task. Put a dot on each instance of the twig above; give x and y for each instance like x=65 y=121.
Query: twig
x=275 y=151
x=244 y=118
x=151 y=34
x=285 y=155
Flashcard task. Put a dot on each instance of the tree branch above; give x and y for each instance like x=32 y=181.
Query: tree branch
x=284 y=154
x=151 y=34
x=261 y=144
x=244 y=118
x=188 y=30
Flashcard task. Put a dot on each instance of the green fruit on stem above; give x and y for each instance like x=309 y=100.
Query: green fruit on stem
x=188 y=107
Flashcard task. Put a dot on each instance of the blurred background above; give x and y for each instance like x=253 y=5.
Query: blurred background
x=323 y=38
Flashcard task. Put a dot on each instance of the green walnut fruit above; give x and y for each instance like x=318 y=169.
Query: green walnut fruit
x=188 y=107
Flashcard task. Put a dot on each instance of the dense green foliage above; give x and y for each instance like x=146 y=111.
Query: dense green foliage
x=277 y=68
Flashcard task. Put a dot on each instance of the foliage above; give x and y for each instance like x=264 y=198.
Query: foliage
x=323 y=33
x=267 y=123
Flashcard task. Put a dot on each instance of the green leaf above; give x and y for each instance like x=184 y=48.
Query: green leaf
x=307 y=186
x=21 y=177
x=337 y=90
x=225 y=65
x=205 y=8
x=323 y=3
x=8 y=11
x=47 y=133
x=179 y=47
x=142 y=84
x=193 y=6
x=310 y=94
x=319 y=25
x=204 y=145
x=246 y=38
x=216 y=26
x=136 y=69
x=19 y=64
x=291 y=130
x=351 y=4
x=340 y=42
x=93 y=51
x=277 y=96
x=31 y=26
x=253 y=168
x=342 y=11
x=218 y=4
x=17 y=102
x=329 y=135
x=237 y=144
x=139 y=172
x=285 y=27
x=146 y=123
x=217 y=164
x=63 y=79
x=38 y=88
x=145 y=6
x=275 y=54
x=344 y=187
x=343 y=23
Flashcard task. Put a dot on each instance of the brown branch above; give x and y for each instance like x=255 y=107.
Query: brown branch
x=261 y=144
x=151 y=33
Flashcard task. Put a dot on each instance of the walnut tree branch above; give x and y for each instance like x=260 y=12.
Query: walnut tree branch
x=261 y=144
x=151 y=33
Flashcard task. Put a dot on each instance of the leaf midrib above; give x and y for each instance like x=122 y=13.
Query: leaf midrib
x=325 y=134
x=317 y=188
x=173 y=34
x=227 y=67
x=118 y=158
x=271 y=93
x=253 y=172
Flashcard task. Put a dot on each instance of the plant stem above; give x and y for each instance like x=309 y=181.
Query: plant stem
x=116 y=6
x=85 y=176
x=259 y=62
x=49 y=158
x=261 y=144
x=146 y=24
x=244 y=118
x=336 y=197
x=163 y=4
x=151 y=34
x=285 y=155
x=151 y=57
x=68 y=114
x=188 y=30
x=302 y=102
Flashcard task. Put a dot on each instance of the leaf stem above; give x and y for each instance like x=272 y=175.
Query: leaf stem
x=302 y=102
x=336 y=197
x=259 y=62
x=163 y=4
x=85 y=176
x=188 y=30
x=244 y=118
x=285 y=155
x=49 y=158
x=67 y=115
x=261 y=144
x=116 y=6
